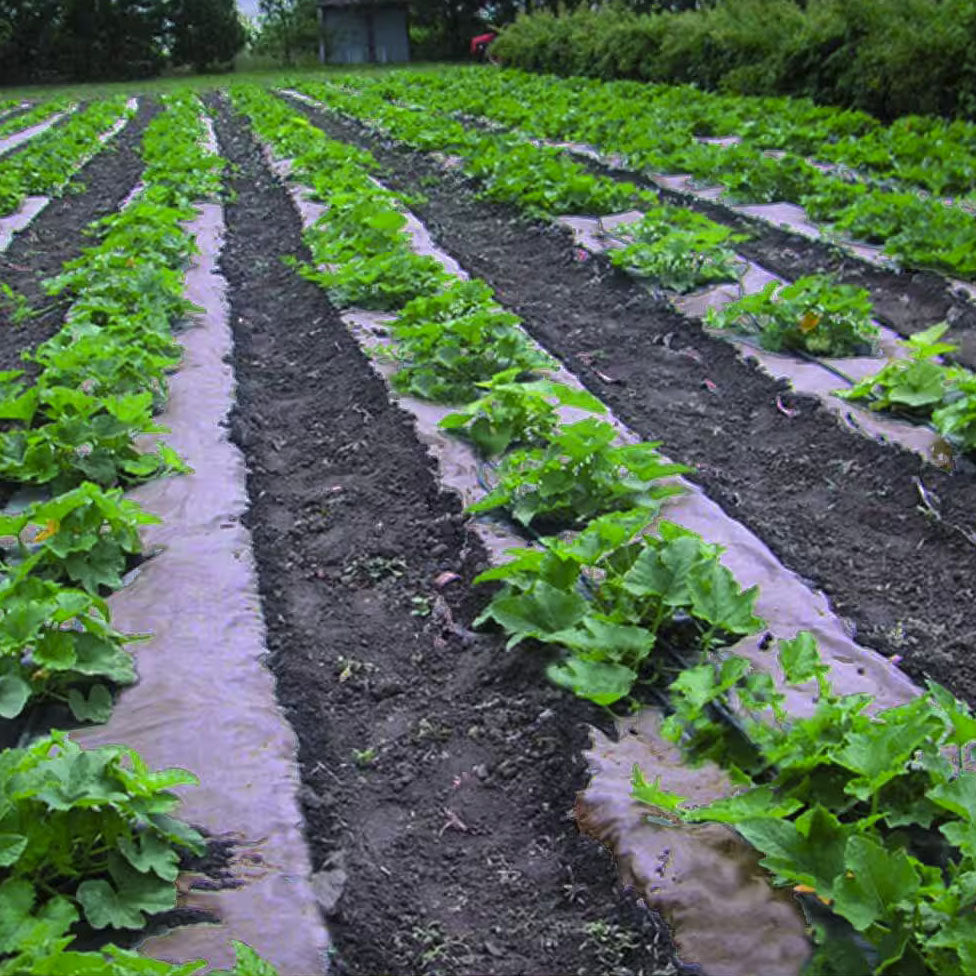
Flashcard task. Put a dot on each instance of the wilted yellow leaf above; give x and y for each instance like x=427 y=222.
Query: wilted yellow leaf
x=47 y=531
x=809 y=321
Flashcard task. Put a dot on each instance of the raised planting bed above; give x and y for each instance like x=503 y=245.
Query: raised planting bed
x=825 y=500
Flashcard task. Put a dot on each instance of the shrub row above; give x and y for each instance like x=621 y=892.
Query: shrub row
x=887 y=57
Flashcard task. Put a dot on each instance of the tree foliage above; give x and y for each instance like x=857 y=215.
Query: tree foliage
x=204 y=33
x=287 y=29
x=84 y=40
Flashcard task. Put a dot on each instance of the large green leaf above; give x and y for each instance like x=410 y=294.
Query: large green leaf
x=877 y=880
x=716 y=598
x=666 y=572
x=602 y=682
x=761 y=802
x=544 y=610
x=809 y=850
x=11 y=847
x=958 y=796
x=15 y=692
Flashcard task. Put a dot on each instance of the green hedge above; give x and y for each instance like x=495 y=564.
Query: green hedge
x=887 y=57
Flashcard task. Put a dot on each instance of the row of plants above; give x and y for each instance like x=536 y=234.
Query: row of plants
x=866 y=813
x=89 y=842
x=654 y=133
x=680 y=250
x=544 y=182
x=676 y=248
x=33 y=116
x=922 y=152
x=46 y=165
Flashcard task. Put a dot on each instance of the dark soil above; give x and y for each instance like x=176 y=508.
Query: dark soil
x=835 y=506
x=438 y=772
x=57 y=235
x=906 y=301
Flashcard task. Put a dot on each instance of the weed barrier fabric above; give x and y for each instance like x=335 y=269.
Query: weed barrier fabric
x=205 y=700
x=16 y=139
x=23 y=218
x=703 y=879
x=816 y=378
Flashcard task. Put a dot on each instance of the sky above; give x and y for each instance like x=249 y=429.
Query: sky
x=248 y=7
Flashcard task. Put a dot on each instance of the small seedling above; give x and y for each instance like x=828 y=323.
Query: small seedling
x=365 y=757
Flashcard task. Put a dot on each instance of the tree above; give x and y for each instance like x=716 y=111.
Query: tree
x=204 y=33
x=109 y=39
x=27 y=32
x=287 y=28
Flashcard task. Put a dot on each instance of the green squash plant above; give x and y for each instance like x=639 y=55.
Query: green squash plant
x=511 y=412
x=872 y=814
x=813 y=314
x=448 y=343
x=579 y=472
x=608 y=595
x=679 y=250
x=922 y=387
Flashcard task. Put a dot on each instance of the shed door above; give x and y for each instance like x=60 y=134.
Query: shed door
x=347 y=35
x=390 y=26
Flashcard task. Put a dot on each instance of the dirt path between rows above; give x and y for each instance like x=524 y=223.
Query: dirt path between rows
x=438 y=772
x=56 y=236
x=835 y=507
x=907 y=301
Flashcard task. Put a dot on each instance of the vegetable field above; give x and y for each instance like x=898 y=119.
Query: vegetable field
x=465 y=521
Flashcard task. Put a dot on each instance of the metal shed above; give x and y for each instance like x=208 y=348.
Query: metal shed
x=360 y=31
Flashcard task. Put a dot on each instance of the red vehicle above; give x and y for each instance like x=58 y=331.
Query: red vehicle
x=481 y=43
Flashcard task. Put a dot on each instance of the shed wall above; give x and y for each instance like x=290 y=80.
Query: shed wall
x=347 y=32
x=347 y=35
x=390 y=30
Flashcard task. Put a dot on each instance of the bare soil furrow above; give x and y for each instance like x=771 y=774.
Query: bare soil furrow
x=438 y=772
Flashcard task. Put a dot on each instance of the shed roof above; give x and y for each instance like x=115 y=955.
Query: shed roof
x=363 y=3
